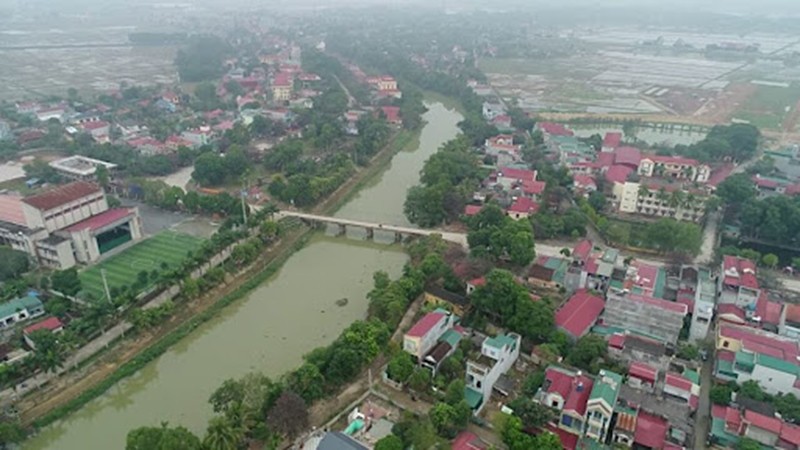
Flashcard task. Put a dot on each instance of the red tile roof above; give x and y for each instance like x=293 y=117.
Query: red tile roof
x=425 y=324
x=733 y=419
x=617 y=340
x=101 y=220
x=468 y=441
x=392 y=113
x=768 y=311
x=605 y=159
x=791 y=434
x=643 y=372
x=95 y=125
x=739 y=272
x=618 y=173
x=627 y=156
x=646 y=275
x=579 y=393
x=480 y=281
x=517 y=174
x=51 y=324
x=558 y=381
x=524 y=205
x=719 y=174
x=62 y=195
x=666 y=305
x=718 y=411
x=771 y=424
x=555 y=129
x=678 y=382
x=757 y=341
x=582 y=180
x=282 y=79
x=11 y=209
x=582 y=249
x=471 y=210
x=731 y=313
x=793 y=313
x=533 y=187
x=568 y=440
x=502 y=119
x=612 y=139
x=579 y=313
x=663 y=159
x=651 y=431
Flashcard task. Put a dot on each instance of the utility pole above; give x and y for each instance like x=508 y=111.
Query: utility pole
x=244 y=205
x=105 y=285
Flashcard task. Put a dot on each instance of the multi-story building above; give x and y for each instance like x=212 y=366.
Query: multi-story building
x=498 y=355
x=282 y=87
x=567 y=392
x=81 y=168
x=601 y=404
x=738 y=283
x=730 y=424
x=745 y=353
x=674 y=167
x=425 y=334
x=198 y=137
x=66 y=225
x=648 y=316
x=654 y=197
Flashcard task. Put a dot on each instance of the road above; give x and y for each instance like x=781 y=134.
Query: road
x=703 y=413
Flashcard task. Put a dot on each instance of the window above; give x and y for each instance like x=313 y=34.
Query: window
x=725 y=344
x=566 y=421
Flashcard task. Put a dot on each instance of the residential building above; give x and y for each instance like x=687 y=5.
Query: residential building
x=503 y=144
x=468 y=441
x=51 y=324
x=387 y=83
x=67 y=224
x=704 y=290
x=548 y=271
x=98 y=130
x=81 y=168
x=683 y=387
x=282 y=87
x=503 y=123
x=745 y=353
x=790 y=321
x=738 y=283
x=498 y=355
x=553 y=129
x=425 y=334
x=601 y=404
x=20 y=309
x=611 y=141
x=438 y=297
x=392 y=114
x=645 y=315
x=629 y=348
x=199 y=136
x=584 y=184
x=730 y=424
x=567 y=392
x=335 y=440
x=492 y=110
x=642 y=376
x=446 y=346
x=522 y=208
x=577 y=316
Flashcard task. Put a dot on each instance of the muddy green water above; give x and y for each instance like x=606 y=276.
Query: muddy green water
x=287 y=316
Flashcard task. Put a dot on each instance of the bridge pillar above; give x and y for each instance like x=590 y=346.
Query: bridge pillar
x=342 y=230
x=370 y=233
x=398 y=237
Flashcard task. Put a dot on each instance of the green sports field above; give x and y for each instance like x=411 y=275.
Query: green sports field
x=122 y=269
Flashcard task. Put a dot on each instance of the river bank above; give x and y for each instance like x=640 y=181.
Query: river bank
x=135 y=398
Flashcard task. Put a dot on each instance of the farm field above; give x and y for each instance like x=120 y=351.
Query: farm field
x=123 y=269
x=769 y=106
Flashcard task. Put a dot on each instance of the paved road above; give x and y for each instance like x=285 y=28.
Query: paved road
x=703 y=414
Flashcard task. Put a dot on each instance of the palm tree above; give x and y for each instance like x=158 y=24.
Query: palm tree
x=662 y=195
x=676 y=199
x=222 y=435
x=643 y=191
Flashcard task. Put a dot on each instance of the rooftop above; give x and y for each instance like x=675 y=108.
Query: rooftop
x=739 y=272
x=579 y=313
x=80 y=165
x=62 y=195
x=643 y=371
x=51 y=323
x=612 y=139
x=651 y=430
x=606 y=387
x=101 y=220
x=11 y=209
x=12 y=306
x=618 y=173
x=425 y=324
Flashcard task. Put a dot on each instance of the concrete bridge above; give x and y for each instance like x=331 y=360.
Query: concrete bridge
x=371 y=227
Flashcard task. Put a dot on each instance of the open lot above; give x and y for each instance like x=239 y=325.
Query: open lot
x=770 y=106
x=123 y=268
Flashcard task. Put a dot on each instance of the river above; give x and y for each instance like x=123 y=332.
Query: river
x=287 y=316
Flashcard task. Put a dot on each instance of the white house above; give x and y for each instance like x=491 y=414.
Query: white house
x=425 y=334
x=498 y=355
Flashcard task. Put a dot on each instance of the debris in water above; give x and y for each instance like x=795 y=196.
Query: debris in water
x=342 y=302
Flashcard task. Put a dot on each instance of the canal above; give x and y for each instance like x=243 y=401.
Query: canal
x=271 y=329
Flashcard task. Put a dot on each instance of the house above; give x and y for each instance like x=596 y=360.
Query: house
x=282 y=86
x=548 y=271
x=335 y=440
x=147 y=146
x=424 y=335
x=730 y=424
x=392 y=114
x=683 y=387
x=553 y=129
x=52 y=112
x=474 y=284
x=438 y=297
x=579 y=313
x=651 y=431
x=642 y=376
x=522 y=208
x=468 y=441
x=746 y=353
x=601 y=404
x=52 y=324
x=503 y=123
x=567 y=392
x=491 y=110
x=705 y=297
x=498 y=355
x=446 y=346
x=502 y=144
x=584 y=184
x=66 y=224
x=198 y=136
x=676 y=167
x=611 y=141
x=645 y=315
x=20 y=309
x=789 y=325
x=81 y=168
x=738 y=283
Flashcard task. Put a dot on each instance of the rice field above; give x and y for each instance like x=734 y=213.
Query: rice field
x=123 y=269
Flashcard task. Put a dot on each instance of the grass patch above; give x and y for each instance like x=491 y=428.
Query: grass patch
x=767 y=107
x=123 y=269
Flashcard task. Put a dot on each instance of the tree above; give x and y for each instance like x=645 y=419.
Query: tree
x=13 y=263
x=289 y=415
x=162 y=438
x=222 y=434
x=688 y=351
x=736 y=190
x=532 y=414
x=514 y=437
x=586 y=351
x=720 y=394
x=746 y=443
x=448 y=420
x=50 y=353
x=66 y=282
x=209 y=169
x=547 y=441
x=390 y=442
x=597 y=200
x=10 y=433
x=751 y=389
x=533 y=382
x=455 y=392
x=420 y=380
x=770 y=260
x=308 y=382
x=400 y=367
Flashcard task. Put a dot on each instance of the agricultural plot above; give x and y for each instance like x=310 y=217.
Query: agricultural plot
x=123 y=269
x=769 y=106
